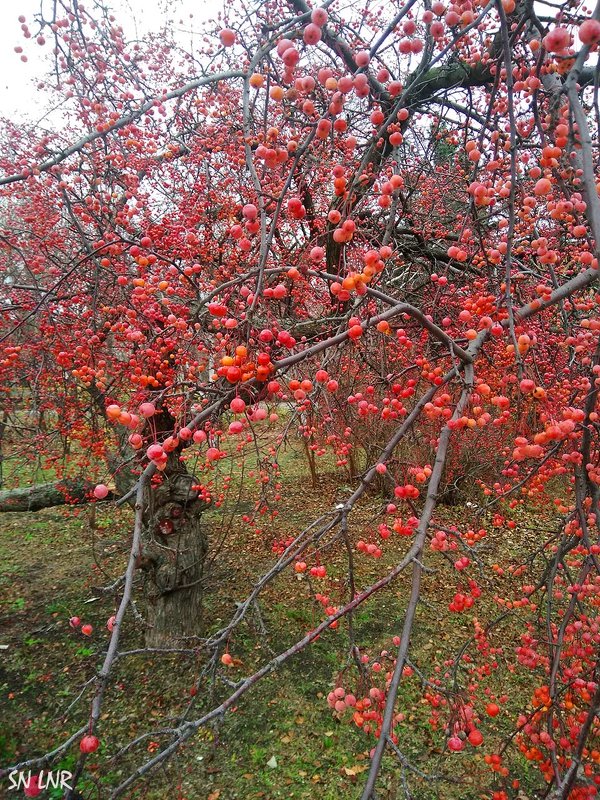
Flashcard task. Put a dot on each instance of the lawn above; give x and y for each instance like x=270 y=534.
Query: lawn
x=282 y=740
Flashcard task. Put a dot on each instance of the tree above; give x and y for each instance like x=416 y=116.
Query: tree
x=385 y=220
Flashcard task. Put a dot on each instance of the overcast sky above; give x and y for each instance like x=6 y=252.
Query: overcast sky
x=18 y=97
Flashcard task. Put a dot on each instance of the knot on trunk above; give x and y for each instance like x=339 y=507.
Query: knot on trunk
x=168 y=521
x=176 y=549
x=175 y=544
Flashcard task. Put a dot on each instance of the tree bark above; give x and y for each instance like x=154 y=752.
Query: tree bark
x=173 y=554
x=46 y=495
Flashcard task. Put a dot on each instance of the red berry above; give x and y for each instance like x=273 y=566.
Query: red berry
x=237 y=405
x=32 y=788
x=227 y=37
x=89 y=744
x=475 y=737
x=589 y=32
x=455 y=744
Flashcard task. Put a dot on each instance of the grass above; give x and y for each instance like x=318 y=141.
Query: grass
x=281 y=741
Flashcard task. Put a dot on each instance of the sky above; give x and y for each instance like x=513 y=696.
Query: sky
x=18 y=97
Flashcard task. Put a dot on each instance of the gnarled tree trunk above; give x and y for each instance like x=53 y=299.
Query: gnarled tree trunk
x=173 y=554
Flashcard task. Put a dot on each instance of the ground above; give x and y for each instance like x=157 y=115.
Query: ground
x=282 y=741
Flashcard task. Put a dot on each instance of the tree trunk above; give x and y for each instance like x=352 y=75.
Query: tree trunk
x=46 y=495
x=174 y=545
x=173 y=555
x=310 y=457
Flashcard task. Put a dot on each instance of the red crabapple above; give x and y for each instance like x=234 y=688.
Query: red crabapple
x=319 y=16
x=89 y=744
x=589 y=32
x=227 y=37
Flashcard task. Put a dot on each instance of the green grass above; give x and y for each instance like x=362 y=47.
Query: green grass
x=48 y=572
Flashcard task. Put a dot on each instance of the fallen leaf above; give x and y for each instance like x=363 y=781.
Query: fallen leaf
x=356 y=770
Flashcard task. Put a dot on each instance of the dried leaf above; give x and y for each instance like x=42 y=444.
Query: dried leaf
x=356 y=770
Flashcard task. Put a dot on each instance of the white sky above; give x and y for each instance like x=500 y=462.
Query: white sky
x=19 y=99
